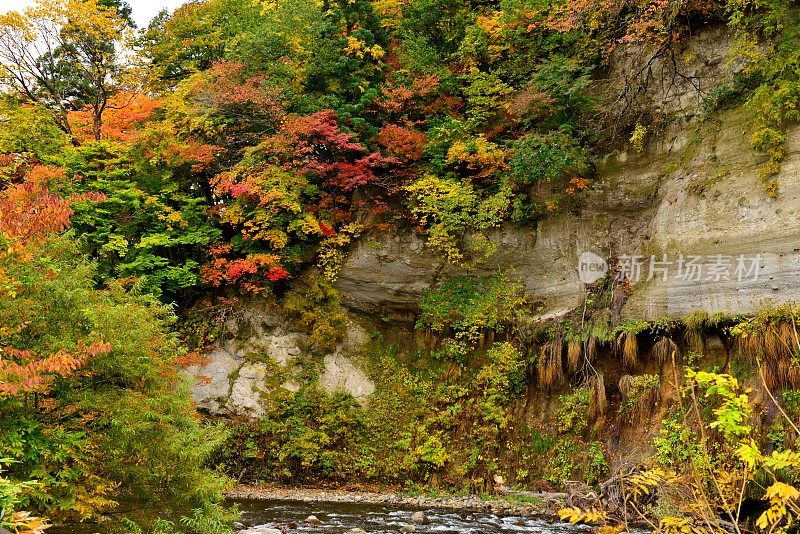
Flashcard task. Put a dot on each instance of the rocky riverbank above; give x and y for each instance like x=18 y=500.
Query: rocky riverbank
x=525 y=504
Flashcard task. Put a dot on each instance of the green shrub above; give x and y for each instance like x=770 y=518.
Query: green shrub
x=573 y=411
x=310 y=435
x=552 y=157
x=468 y=307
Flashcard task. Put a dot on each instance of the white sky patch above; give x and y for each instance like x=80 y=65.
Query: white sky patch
x=143 y=10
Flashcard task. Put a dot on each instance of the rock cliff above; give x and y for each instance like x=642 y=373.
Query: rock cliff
x=695 y=193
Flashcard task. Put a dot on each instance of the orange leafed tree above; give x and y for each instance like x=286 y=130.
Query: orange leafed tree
x=29 y=210
x=23 y=371
x=122 y=114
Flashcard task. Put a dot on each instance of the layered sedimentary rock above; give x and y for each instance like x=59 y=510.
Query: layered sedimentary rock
x=693 y=205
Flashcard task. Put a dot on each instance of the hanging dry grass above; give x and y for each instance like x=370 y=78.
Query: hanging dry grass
x=597 y=397
x=630 y=350
x=624 y=385
x=664 y=349
x=793 y=375
x=777 y=373
x=696 y=324
x=696 y=341
x=641 y=394
x=574 y=353
x=774 y=349
x=750 y=346
x=550 y=371
x=776 y=342
x=591 y=348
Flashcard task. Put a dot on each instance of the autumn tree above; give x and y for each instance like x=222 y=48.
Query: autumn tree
x=65 y=55
x=84 y=374
x=193 y=38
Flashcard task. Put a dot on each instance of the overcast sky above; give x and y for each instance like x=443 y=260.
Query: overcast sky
x=143 y=10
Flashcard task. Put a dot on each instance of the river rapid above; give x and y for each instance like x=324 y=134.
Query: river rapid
x=340 y=517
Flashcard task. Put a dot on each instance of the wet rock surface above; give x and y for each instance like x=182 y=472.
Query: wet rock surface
x=542 y=504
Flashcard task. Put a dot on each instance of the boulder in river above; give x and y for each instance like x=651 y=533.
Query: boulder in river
x=312 y=520
x=408 y=528
x=420 y=518
x=356 y=531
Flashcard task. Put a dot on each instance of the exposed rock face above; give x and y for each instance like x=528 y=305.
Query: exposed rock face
x=674 y=82
x=239 y=374
x=341 y=373
x=696 y=193
x=227 y=384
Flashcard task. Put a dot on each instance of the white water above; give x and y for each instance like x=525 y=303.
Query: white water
x=339 y=517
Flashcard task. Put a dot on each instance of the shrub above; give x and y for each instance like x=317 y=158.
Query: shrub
x=468 y=307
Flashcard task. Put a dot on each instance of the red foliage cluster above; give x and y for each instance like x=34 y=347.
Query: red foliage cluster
x=28 y=210
x=530 y=102
x=634 y=21
x=327 y=230
x=277 y=273
x=124 y=112
x=400 y=98
x=315 y=145
x=198 y=154
x=190 y=359
x=248 y=272
x=577 y=184
x=405 y=143
x=225 y=85
x=337 y=208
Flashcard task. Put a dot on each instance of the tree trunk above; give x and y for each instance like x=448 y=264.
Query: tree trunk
x=63 y=124
x=96 y=124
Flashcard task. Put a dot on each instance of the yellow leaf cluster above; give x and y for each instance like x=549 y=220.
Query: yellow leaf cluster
x=784 y=506
x=360 y=49
x=576 y=515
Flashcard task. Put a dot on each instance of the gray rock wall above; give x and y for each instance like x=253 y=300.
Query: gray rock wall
x=239 y=375
x=696 y=193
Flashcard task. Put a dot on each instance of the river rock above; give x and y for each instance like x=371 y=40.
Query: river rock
x=261 y=530
x=312 y=520
x=420 y=518
x=356 y=531
x=408 y=528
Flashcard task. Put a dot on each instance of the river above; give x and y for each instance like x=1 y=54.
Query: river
x=339 y=517
x=373 y=518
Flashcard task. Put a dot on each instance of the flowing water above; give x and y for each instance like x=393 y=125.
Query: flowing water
x=340 y=517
